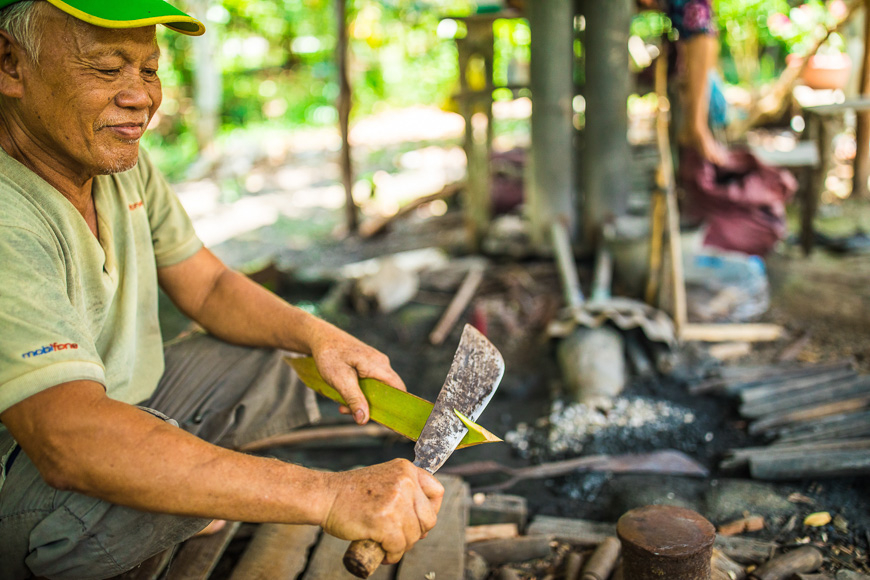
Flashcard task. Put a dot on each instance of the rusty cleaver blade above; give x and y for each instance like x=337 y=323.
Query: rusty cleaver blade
x=473 y=377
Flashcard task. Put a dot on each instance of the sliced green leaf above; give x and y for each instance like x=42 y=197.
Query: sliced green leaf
x=402 y=412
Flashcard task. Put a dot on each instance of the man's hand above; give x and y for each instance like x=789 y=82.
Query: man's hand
x=342 y=360
x=395 y=504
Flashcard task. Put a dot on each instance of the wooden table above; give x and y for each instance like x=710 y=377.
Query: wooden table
x=815 y=118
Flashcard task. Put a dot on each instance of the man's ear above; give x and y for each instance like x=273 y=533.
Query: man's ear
x=11 y=59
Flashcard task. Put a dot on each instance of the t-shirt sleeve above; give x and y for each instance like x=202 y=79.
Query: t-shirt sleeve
x=172 y=232
x=44 y=340
x=691 y=17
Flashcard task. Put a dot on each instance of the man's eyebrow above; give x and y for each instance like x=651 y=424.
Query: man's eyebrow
x=122 y=54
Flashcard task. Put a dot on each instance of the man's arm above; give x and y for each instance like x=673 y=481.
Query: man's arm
x=232 y=307
x=81 y=440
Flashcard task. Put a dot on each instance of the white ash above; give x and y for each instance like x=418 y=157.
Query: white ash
x=569 y=426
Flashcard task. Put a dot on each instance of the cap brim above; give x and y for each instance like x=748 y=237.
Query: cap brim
x=131 y=14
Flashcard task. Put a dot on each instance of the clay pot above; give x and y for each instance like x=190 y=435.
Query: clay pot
x=824 y=71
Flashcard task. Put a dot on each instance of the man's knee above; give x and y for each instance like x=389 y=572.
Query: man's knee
x=67 y=535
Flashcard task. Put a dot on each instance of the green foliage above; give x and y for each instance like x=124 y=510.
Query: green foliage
x=512 y=49
x=278 y=63
x=801 y=27
x=650 y=25
x=746 y=37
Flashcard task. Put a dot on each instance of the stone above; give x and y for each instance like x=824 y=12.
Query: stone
x=728 y=499
x=628 y=492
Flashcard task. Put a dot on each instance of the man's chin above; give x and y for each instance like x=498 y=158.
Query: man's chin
x=121 y=162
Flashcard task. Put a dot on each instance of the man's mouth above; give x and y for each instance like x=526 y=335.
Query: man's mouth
x=131 y=131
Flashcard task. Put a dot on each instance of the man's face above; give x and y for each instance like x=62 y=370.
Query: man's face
x=90 y=98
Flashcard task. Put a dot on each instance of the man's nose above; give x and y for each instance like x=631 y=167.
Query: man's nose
x=136 y=94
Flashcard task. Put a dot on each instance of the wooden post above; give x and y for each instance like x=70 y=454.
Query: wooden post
x=862 y=128
x=475 y=103
x=607 y=163
x=344 y=106
x=550 y=172
x=810 y=205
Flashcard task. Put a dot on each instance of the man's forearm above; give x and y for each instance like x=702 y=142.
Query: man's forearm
x=241 y=311
x=234 y=308
x=123 y=455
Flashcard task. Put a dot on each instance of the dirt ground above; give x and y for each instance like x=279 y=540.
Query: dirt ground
x=824 y=298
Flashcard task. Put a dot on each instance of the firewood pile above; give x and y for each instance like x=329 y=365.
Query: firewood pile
x=559 y=548
x=816 y=417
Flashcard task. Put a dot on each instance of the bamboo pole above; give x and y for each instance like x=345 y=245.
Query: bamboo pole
x=861 y=167
x=344 y=106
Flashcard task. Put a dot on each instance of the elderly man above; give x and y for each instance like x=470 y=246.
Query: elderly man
x=96 y=473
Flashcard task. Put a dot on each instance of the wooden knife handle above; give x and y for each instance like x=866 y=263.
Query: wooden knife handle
x=363 y=557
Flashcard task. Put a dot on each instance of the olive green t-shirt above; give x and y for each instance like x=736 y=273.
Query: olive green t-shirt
x=73 y=307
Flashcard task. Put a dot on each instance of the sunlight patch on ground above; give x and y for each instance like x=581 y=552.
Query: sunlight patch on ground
x=407 y=125
x=233 y=220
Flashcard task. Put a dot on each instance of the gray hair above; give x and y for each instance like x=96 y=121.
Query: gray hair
x=20 y=20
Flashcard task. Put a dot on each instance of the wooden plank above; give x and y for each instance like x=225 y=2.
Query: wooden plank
x=745 y=332
x=823 y=394
x=276 y=552
x=739 y=457
x=198 y=556
x=805 y=414
x=572 y=531
x=844 y=426
x=745 y=550
x=442 y=552
x=820 y=464
x=860 y=103
x=758 y=374
x=325 y=562
x=804 y=154
x=490 y=532
x=513 y=550
x=498 y=508
x=794 y=385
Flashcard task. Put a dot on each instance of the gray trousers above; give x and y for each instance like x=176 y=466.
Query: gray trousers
x=224 y=394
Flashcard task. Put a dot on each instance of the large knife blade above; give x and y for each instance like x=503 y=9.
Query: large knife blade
x=474 y=375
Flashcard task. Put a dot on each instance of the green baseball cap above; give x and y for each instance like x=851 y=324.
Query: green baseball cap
x=127 y=14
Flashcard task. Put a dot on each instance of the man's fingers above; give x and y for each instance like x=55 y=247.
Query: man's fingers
x=346 y=381
x=385 y=374
x=427 y=514
x=430 y=486
x=395 y=546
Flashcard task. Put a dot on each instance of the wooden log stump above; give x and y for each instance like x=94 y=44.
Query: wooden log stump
x=661 y=541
